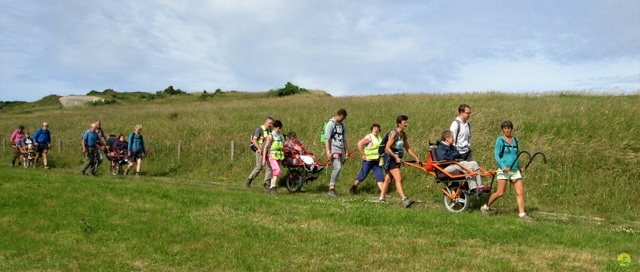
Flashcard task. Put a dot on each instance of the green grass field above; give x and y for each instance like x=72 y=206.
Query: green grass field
x=193 y=213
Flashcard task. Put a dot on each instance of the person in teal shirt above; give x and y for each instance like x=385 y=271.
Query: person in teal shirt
x=135 y=149
x=506 y=155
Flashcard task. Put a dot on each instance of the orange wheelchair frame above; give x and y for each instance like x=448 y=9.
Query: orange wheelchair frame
x=455 y=190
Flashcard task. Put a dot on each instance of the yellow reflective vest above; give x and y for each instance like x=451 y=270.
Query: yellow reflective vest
x=276 y=147
x=265 y=134
x=371 y=150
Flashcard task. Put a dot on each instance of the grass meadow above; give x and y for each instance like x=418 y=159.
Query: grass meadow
x=192 y=211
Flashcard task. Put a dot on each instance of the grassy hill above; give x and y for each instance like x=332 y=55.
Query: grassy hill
x=591 y=176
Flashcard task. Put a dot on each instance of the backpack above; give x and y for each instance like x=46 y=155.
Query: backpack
x=385 y=139
x=515 y=141
x=253 y=147
x=458 y=131
x=333 y=133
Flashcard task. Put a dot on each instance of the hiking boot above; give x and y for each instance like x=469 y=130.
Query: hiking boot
x=526 y=218
x=484 y=209
x=332 y=193
x=248 y=184
x=273 y=191
x=353 y=190
x=407 y=202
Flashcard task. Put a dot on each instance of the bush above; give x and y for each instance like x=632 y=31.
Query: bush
x=289 y=89
x=171 y=91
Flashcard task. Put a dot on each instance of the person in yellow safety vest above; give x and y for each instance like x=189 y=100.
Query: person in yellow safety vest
x=368 y=148
x=257 y=139
x=273 y=151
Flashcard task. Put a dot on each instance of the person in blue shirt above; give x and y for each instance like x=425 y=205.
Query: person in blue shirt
x=42 y=139
x=90 y=142
x=136 y=149
x=506 y=154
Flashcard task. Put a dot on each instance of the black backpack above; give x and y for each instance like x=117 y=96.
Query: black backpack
x=385 y=139
x=253 y=147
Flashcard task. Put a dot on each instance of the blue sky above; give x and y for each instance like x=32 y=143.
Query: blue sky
x=342 y=47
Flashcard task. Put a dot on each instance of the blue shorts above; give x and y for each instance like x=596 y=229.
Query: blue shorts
x=367 y=166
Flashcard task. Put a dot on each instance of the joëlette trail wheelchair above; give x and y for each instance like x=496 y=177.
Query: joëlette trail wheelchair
x=303 y=168
x=455 y=190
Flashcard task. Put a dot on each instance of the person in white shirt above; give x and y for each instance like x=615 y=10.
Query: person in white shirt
x=461 y=129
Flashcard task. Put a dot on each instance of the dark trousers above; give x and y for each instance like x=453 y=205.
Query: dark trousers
x=90 y=160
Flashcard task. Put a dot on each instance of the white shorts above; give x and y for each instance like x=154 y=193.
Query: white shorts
x=513 y=174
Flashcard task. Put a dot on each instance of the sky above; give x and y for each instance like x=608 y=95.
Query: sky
x=345 y=48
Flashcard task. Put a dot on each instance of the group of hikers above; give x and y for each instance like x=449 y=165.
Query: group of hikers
x=384 y=156
x=94 y=144
x=21 y=141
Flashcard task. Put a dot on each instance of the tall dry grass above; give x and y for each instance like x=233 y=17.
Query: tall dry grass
x=590 y=140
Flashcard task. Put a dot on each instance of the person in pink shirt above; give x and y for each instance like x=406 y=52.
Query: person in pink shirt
x=16 y=136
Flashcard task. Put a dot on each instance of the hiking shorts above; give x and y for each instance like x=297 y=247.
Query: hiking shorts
x=512 y=175
x=41 y=147
x=390 y=163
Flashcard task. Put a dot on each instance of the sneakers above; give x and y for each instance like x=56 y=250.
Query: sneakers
x=266 y=186
x=46 y=167
x=273 y=191
x=380 y=200
x=126 y=171
x=407 y=202
x=525 y=218
x=353 y=190
x=82 y=173
x=248 y=184
x=484 y=209
x=332 y=193
x=480 y=190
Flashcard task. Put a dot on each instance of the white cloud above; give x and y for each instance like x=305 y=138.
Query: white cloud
x=342 y=47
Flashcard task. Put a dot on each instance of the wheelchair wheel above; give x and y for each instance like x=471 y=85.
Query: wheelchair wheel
x=459 y=204
x=294 y=180
x=26 y=163
x=114 y=167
